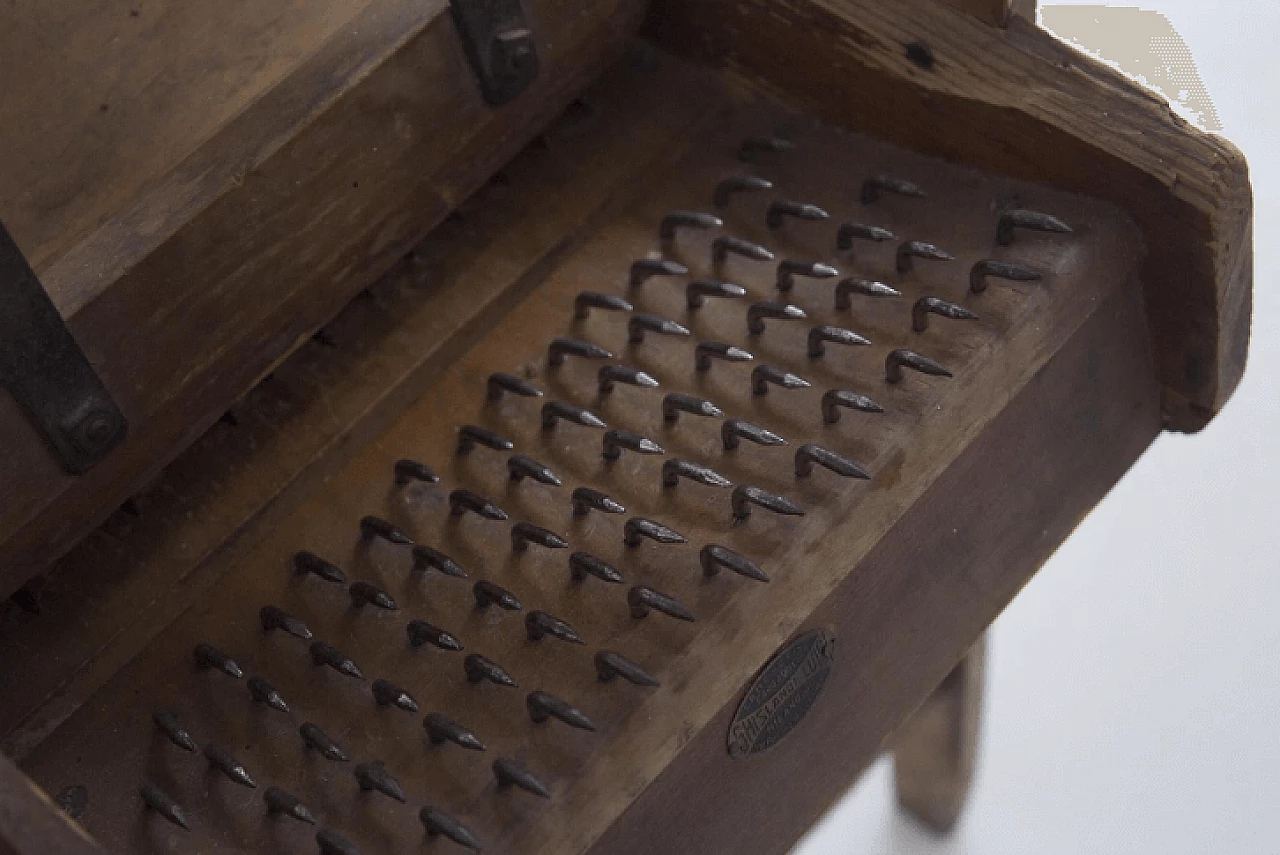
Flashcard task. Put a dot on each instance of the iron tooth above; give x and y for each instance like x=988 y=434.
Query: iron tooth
x=739 y=184
x=263 y=692
x=641 y=322
x=819 y=335
x=538 y=624
x=273 y=618
x=562 y=347
x=673 y=469
x=332 y=843
x=226 y=763
x=647 y=268
x=849 y=232
x=586 y=499
x=372 y=527
x=912 y=249
x=207 y=656
x=758 y=312
x=469 y=436
x=873 y=186
x=722 y=246
x=762 y=375
x=366 y=593
x=588 y=300
x=834 y=399
x=314 y=737
x=408 y=471
x=524 y=533
x=643 y=599
x=787 y=208
x=709 y=350
x=500 y=382
x=807 y=455
x=1032 y=220
x=543 y=705
x=616 y=440
x=420 y=632
x=553 y=411
x=327 y=654
x=752 y=146
x=491 y=594
x=713 y=557
x=480 y=668
x=675 y=403
x=171 y=727
x=639 y=528
x=790 y=268
x=425 y=557
x=282 y=802
x=374 y=776
x=903 y=358
x=462 y=500
x=675 y=220
x=611 y=665
x=440 y=729
x=745 y=495
x=926 y=306
x=583 y=564
x=610 y=374
x=990 y=268
x=511 y=774
x=307 y=562
x=162 y=803
x=387 y=693
x=521 y=467
x=733 y=431
x=438 y=823
x=697 y=292
x=865 y=287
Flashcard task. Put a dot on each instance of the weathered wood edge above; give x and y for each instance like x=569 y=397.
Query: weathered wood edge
x=30 y=824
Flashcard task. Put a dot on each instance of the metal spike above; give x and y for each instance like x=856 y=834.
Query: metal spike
x=332 y=843
x=500 y=382
x=735 y=430
x=786 y=208
x=926 y=306
x=425 y=557
x=752 y=146
x=641 y=322
x=722 y=246
x=543 y=705
x=73 y=800
x=327 y=654
x=834 y=399
x=873 y=186
x=315 y=738
x=611 y=665
x=610 y=374
x=697 y=292
x=758 y=312
x=686 y=220
x=307 y=562
x=263 y=692
x=709 y=350
x=807 y=455
x=171 y=727
x=207 y=656
x=524 y=533
x=372 y=527
x=366 y=593
x=673 y=469
x=583 y=564
x=739 y=184
x=440 y=729
x=374 y=776
x=160 y=802
x=479 y=669
x=437 y=823
x=469 y=436
x=520 y=467
x=462 y=500
x=745 y=495
x=511 y=774
x=588 y=300
x=616 y=440
x=713 y=557
x=990 y=268
x=1033 y=220
x=643 y=599
x=639 y=528
x=386 y=694
x=491 y=594
x=226 y=763
x=562 y=347
x=865 y=287
x=586 y=499
x=903 y=358
x=676 y=403
x=408 y=471
x=912 y=249
x=553 y=411
x=287 y=804
x=538 y=624
x=763 y=375
x=790 y=268
x=420 y=632
x=819 y=335
x=849 y=232
x=646 y=268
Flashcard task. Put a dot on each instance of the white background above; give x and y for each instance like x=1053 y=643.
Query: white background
x=1132 y=688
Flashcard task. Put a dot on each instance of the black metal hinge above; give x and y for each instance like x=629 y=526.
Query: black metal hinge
x=499 y=44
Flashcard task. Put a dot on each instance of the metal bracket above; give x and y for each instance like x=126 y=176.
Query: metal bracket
x=48 y=373
x=499 y=44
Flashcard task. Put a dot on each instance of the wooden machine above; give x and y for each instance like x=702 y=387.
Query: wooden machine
x=556 y=426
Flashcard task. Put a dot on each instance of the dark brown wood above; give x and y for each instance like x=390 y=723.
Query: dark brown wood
x=997 y=12
x=30 y=824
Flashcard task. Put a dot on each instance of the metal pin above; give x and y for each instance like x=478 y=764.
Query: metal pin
x=588 y=300
x=469 y=436
x=372 y=527
x=462 y=500
x=374 y=776
x=263 y=692
x=160 y=802
x=543 y=706
x=583 y=564
x=990 y=268
x=524 y=533
x=1033 y=220
x=902 y=358
x=638 y=528
x=873 y=186
x=538 y=624
x=673 y=469
x=553 y=411
x=425 y=557
x=171 y=727
x=73 y=800
x=287 y=804
x=479 y=668
x=752 y=146
x=332 y=843
x=420 y=632
x=849 y=232
x=437 y=823
x=912 y=249
x=807 y=455
x=388 y=694
x=562 y=347
x=733 y=431
x=686 y=220
x=790 y=268
x=207 y=656
x=366 y=593
x=865 y=287
x=273 y=618
x=713 y=557
x=786 y=208
x=676 y=403
x=834 y=399
x=520 y=467
x=500 y=382
x=739 y=184
x=226 y=763
x=643 y=599
x=511 y=774
x=819 y=335
x=314 y=737
x=926 y=306
x=441 y=729
x=616 y=440
x=699 y=290
x=611 y=665
x=647 y=268
x=709 y=350
x=744 y=496
x=722 y=246
x=758 y=312
x=327 y=654
x=763 y=375
x=408 y=471
x=610 y=374
x=586 y=499
x=491 y=594
x=641 y=322
x=306 y=562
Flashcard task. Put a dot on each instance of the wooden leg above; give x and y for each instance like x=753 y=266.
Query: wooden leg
x=935 y=750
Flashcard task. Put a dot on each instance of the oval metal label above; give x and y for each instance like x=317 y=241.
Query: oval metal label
x=783 y=693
